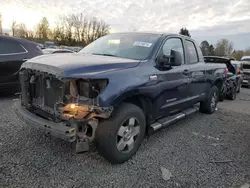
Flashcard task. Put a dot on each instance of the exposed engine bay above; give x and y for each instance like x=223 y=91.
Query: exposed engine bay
x=72 y=101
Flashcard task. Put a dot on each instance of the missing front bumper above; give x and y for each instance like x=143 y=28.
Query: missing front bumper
x=59 y=130
x=80 y=130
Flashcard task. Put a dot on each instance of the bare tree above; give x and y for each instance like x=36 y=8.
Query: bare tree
x=77 y=29
x=205 y=47
x=78 y=24
x=43 y=30
x=21 y=30
x=238 y=54
x=247 y=51
x=224 y=48
x=184 y=31
x=13 y=28
x=73 y=29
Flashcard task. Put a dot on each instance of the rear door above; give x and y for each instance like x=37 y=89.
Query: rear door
x=173 y=84
x=12 y=55
x=199 y=85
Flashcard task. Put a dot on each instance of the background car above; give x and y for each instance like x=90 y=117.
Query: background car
x=56 y=51
x=238 y=65
x=232 y=83
x=13 y=52
x=41 y=45
x=49 y=43
x=246 y=71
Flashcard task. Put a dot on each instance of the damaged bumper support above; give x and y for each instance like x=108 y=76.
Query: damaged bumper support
x=80 y=131
x=65 y=108
x=59 y=130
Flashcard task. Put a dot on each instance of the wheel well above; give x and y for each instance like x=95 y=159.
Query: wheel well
x=144 y=103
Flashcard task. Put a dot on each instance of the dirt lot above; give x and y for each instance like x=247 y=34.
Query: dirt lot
x=204 y=151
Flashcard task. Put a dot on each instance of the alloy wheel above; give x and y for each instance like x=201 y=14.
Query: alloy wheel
x=127 y=135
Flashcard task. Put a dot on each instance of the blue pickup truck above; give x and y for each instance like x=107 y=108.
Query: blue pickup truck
x=117 y=89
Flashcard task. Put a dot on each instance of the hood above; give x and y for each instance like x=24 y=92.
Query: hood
x=77 y=65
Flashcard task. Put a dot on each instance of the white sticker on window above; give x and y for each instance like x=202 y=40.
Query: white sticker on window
x=143 y=44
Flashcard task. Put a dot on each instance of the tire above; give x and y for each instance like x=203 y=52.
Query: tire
x=232 y=94
x=209 y=105
x=112 y=135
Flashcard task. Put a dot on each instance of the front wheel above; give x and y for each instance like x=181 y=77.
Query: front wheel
x=119 y=137
x=210 y=104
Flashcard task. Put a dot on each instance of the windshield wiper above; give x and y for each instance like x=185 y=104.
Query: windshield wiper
x=104 y=54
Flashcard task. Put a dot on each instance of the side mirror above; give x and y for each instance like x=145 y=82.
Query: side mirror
x=174 y=59
x=177 y=58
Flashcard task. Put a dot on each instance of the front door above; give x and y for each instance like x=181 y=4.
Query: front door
x=173 y=83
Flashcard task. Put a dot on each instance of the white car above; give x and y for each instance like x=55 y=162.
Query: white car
x=246 y=71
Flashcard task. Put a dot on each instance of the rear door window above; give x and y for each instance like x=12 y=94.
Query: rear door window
x=11 y=47
x=192 y=52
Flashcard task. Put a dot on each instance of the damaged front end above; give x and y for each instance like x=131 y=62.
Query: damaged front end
x=72 y=103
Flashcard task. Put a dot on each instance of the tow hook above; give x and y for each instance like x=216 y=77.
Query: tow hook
x=85 y=136
x=82 y=145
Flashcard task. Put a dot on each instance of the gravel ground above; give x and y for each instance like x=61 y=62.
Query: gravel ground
x=207 y=151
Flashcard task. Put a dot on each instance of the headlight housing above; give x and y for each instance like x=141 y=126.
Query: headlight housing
x=91 y=88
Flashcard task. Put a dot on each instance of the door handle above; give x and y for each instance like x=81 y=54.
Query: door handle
x=186 y=72
x=25 y=59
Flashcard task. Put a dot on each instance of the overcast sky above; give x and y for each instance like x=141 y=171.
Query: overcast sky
x=201 y=17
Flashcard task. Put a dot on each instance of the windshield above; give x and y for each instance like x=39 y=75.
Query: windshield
x=131 y=46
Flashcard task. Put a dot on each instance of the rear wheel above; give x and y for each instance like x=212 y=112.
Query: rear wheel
x=210 y=104
x=119 y=137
